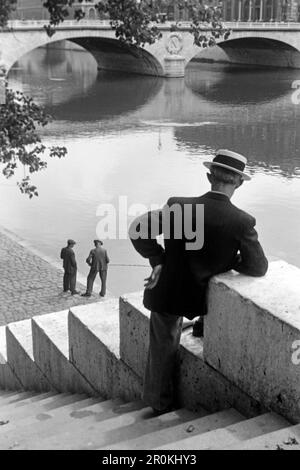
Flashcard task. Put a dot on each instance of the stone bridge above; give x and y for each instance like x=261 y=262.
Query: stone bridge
x=276 y=44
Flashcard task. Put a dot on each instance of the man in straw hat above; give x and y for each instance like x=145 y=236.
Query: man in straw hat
x=178 y=283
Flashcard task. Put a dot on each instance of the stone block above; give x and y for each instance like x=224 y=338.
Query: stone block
x=51 y=353
x=8 y=380
x=20 y=357
x=95 y=350
x=198 y=384
x=251 y=332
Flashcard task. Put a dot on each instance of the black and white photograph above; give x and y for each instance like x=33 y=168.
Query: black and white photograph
x=149 y=228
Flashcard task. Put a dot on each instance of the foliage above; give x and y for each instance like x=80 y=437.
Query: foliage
x=20 y=142
x=59 y=10
x=6 y=8
x=134 y=21
x=131 y=21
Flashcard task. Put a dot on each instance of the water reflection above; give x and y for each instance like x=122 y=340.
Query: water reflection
x=239 y=85
x=72 y=89
x=52 y=75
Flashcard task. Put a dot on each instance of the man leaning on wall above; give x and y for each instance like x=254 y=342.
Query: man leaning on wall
x=178 y=283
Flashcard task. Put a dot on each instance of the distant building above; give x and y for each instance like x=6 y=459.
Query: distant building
x=91 y=12
x=233 y=10
x=261 y=10
x=30 y=10
x=34 y=10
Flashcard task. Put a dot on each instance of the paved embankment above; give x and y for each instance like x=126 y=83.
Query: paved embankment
x=30 y=285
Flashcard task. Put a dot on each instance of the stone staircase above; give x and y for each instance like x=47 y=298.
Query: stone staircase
x=38 y=421
x=73 y=380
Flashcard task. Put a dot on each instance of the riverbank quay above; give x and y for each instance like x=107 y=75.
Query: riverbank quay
x=31 y=283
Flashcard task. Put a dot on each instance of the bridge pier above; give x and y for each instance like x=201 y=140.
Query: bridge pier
x=174 y=66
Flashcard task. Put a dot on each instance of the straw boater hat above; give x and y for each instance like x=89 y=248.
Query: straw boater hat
x=230 y=161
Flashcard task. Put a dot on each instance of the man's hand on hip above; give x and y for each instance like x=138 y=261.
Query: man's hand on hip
x=154 y=278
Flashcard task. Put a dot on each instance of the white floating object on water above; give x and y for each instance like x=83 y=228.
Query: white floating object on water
x=178 y=124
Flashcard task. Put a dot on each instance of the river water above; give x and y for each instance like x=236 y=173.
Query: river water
x=145 y=139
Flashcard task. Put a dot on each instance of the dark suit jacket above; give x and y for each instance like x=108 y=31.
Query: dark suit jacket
x=68 y=256
x=230 y=242
x=98 y=259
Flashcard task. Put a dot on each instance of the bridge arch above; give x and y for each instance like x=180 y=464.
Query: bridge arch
x=247 y=49
x=108 y=51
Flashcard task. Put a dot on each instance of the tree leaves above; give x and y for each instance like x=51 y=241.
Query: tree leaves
x=6 y=8
x=20 y=143
x=133 y=20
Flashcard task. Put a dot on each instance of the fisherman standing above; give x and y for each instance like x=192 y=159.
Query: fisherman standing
x=98 y=261
x=70 y=267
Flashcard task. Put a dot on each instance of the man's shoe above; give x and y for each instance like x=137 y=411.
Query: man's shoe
x=102 y=295
x=198 y=328
x=75 y=292
x=86 y=295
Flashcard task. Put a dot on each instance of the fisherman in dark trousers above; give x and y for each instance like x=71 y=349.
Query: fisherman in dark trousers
x=177 y=286
x=98 y=261
x=70 y=267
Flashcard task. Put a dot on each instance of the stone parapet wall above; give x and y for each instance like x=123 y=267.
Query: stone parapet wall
x=251 y=334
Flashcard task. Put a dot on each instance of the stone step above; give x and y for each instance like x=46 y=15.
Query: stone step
x=78 y=429
x=48 y=422
x=8 y=380
x=20 y=357
x=7 y=393
x=14 y=412
x=37 y=397
x=239 y=431
x=17 y=396
x=198 y=384
x=284 y=439
x=93 y=434
x=95 y=350
x=164 y=438
x=51 y=353
x=263 y=424
x=144 y=429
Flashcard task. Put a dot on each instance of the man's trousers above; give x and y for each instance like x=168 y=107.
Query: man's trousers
x=165 y=333
x=70 y=281
x=91 y=279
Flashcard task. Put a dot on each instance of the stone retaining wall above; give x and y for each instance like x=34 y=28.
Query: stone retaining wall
x=246 y=360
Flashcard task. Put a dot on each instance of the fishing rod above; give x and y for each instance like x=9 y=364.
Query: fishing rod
x=129 y=265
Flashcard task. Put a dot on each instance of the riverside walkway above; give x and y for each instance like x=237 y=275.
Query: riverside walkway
x=30 y=285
